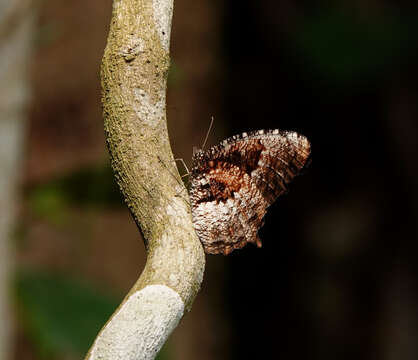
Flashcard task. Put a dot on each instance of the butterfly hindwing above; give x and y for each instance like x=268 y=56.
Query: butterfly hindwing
x=233 y=183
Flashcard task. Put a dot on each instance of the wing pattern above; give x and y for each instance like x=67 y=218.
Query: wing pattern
x=233 y=184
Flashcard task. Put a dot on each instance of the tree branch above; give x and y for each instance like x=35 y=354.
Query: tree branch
x=134 y=73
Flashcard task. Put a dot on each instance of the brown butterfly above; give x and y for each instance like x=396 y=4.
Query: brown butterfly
x=233 y=184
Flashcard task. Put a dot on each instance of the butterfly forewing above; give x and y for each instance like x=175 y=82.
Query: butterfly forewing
x=233 y=183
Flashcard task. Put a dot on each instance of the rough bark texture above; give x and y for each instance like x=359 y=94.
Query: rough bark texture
x=134 y=73
x=16 y=29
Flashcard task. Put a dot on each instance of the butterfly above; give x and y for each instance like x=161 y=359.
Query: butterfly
x=232 y=185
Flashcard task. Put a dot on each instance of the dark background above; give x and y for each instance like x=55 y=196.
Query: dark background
x=336 y=277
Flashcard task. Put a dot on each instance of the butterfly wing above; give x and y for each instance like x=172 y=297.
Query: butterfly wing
x=233 y=183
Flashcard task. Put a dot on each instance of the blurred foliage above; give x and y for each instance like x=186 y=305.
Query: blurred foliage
x=62 y=315
x=92 y=187
x=345 y=47
x=59 y=314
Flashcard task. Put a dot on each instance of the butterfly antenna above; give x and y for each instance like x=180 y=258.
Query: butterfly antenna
x=207 y=134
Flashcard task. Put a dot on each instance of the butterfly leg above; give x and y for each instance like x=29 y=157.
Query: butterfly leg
x=184 y=175
x=180 y=182
x=185 y=166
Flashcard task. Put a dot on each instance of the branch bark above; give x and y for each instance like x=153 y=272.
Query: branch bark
x=134 y=73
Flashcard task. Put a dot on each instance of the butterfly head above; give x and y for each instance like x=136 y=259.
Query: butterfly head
x=196 y=150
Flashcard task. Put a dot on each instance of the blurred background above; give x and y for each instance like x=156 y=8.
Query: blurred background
x=337 y=274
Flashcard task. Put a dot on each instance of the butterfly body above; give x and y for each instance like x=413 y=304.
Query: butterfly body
x=233 y=183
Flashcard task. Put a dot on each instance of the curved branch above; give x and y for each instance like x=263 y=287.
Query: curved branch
x=134 y=72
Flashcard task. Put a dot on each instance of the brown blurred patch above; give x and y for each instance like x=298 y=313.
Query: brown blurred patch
x=104 y=246
x=65 y=129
